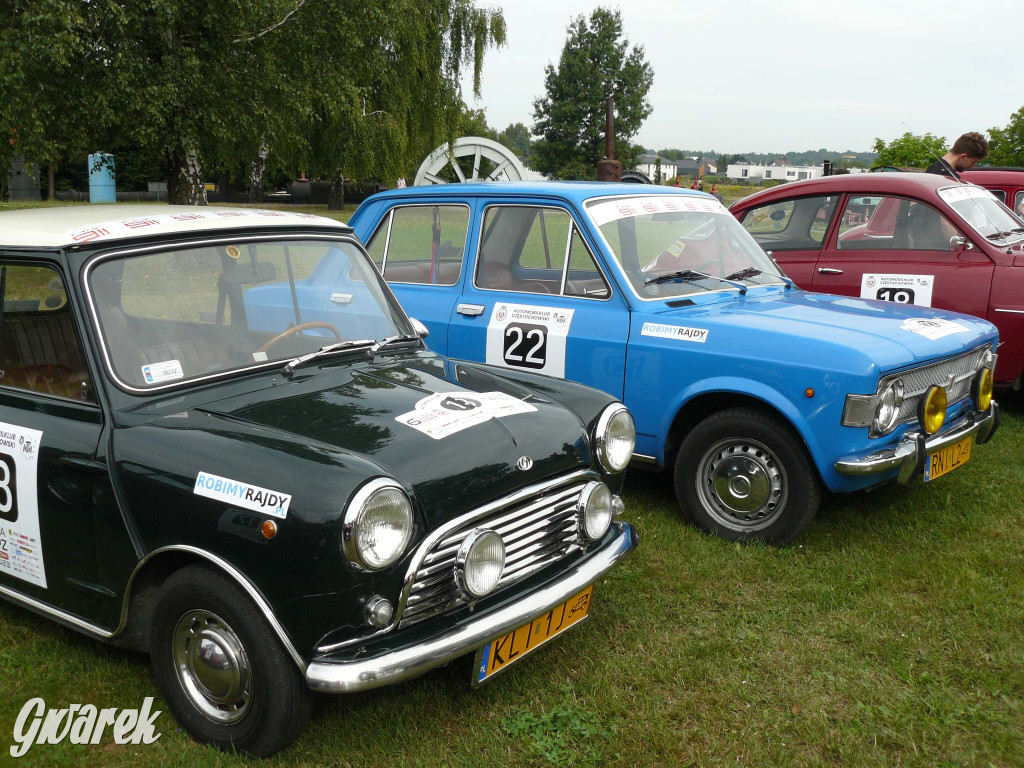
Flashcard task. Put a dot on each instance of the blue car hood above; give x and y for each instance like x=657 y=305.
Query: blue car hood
x=842 y=331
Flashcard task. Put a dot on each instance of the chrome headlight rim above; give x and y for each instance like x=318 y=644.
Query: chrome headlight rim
x=891 y=397
x=354 y=516
x=612 y=464
x=477 y=537
x=586 y=532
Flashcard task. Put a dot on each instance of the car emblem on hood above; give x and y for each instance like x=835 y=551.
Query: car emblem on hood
x=524 y=463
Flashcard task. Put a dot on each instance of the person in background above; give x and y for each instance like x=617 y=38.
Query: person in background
x=967 y=151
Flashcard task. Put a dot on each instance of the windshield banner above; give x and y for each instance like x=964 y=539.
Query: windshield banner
x=628 y=207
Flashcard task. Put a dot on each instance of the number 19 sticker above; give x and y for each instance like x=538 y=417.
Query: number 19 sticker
x=530 y=337
x=899 y=289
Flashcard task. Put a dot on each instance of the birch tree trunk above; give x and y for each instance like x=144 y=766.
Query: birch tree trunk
x=336 y=197
x=185 y=182
x=257 y=175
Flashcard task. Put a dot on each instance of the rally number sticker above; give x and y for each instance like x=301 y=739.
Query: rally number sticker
x=21 y=550
x=526 y=345
x=899 y=289
x=531 y=337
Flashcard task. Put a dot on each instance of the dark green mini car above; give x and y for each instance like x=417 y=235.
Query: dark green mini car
x=271 y=505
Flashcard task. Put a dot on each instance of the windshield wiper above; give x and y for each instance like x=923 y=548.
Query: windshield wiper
x=749 y=272
x=341 y=346
x=686 y=275
x=392 y=340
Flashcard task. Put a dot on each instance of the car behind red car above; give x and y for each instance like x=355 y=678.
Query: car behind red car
x=909 y=238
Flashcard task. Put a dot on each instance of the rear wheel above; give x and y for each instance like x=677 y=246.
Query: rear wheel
x=743 y=474
x=221 y=667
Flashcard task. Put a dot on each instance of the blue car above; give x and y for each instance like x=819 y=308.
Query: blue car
x=756 y=394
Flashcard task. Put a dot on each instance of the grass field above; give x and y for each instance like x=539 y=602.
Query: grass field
x=890 y=634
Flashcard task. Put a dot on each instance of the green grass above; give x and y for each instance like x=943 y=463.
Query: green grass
x=889 y=635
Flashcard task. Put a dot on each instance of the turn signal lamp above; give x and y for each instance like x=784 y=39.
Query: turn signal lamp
x=932 y=411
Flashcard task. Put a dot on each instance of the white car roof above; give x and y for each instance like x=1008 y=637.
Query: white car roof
x=69 y=225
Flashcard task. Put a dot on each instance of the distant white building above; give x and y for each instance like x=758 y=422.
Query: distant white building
x=648 y=166
x=776 y=170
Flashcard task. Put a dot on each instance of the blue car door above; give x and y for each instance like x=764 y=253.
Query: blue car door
x=536 y=299
x=420 y=249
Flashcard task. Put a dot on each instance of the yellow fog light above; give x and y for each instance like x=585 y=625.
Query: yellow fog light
x=982 y=389
x=932 y=411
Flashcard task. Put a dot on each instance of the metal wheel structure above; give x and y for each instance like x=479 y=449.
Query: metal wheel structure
x=212 y=667
x=473 y=158
x=742 y=484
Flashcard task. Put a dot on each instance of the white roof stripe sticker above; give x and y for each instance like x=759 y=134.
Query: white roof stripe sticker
x=627 y=207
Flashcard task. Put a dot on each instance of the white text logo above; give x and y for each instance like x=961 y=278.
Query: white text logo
x=82 y=725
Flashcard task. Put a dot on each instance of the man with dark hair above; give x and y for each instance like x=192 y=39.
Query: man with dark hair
x=968 y=150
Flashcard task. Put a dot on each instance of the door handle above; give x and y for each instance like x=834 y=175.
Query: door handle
x=470 y=310
x=829 y=271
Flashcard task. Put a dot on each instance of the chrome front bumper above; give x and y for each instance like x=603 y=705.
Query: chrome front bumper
x=347 y=676
x=912 y=451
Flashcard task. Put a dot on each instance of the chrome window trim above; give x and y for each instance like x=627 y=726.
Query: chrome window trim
x=391 y=222
x=573 y=224
x=461 y=521
x=201 y=243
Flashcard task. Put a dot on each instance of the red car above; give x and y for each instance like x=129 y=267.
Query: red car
x=910 y=238
x=1007 y=184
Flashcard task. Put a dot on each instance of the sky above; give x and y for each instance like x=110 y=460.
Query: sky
x=739 y=76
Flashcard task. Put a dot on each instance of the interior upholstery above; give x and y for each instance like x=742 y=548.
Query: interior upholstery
x=41 y=353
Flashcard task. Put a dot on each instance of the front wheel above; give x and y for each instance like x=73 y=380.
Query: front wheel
x=222 y=669
x=743 y=474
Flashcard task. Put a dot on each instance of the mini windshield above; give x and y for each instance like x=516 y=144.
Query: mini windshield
x=982 y=211
x=192 y=312
x=677 y=245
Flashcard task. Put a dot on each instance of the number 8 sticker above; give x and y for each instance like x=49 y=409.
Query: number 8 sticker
x=8 y=482
x=525 y=345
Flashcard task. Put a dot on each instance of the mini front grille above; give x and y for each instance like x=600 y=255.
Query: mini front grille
x=537 y=531
x=917 y=380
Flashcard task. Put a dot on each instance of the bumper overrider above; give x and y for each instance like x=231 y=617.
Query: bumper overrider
x=347 y=675
x=913 y=449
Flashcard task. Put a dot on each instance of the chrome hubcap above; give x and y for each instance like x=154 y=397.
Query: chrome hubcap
x=212 y=666
x=742 y=484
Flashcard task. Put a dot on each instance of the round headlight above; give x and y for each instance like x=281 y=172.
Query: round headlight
x=596 y=510
x=932 y=411
x=615 y=438
x=378 y=525
x=887 y=410
x=480 y=562
x=982 y=389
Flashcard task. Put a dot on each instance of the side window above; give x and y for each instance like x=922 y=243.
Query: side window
x=41 y=349
x=1018 y=204
x=792 y=225
x=893 y=223
x=422 y=244
x=526 y=248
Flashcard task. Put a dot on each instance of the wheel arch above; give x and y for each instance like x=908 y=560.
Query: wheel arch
x=697 y=408
x=155 y=568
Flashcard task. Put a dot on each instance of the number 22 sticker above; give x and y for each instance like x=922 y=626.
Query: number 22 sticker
x=526 y=345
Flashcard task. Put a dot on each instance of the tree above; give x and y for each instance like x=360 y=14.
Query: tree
x=596 y=62
x=1006 y=145
x=910 y=151
x=517 y=138
x=207 y=84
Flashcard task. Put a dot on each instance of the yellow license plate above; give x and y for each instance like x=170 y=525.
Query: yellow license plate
x=948 y=459
x=500 y=653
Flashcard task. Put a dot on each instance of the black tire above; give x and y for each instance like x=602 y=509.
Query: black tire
x=252 y=698
x=744 y=475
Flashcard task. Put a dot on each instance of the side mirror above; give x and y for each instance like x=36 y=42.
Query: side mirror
x=420 y=328
x=960 y=243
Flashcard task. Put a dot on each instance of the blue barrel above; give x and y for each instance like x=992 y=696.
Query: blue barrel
x=102 y=188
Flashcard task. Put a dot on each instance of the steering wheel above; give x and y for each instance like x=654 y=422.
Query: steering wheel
x=298 y=329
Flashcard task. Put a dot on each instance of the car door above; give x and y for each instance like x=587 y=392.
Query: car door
x=50 y=426
x=538 y=299
x=899 y=249
x=792 y=232
x=420 y=249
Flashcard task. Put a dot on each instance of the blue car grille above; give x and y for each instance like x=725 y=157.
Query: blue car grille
x=537 y=530
x=917 y=380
